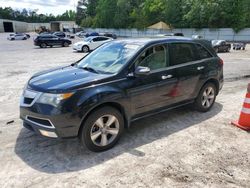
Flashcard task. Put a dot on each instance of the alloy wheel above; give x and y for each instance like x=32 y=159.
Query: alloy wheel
x=208 y=97
x=104 y=130
x=85 y=49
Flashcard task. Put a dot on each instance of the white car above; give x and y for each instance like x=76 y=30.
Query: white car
x=90 y=43
x=18 y=36
x=197 y=37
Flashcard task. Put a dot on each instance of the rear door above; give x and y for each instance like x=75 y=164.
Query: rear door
x=55 y=40
x=190 y=68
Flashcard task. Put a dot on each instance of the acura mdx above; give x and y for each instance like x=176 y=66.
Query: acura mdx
x=98 y=96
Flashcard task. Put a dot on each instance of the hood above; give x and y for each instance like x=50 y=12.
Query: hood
x=64 y=79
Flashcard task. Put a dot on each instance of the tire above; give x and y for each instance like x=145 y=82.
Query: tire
x=95 y=135
x=65 y=44
x=203 y=103
x=85 y=49
x=43 y=45
x=24 y=38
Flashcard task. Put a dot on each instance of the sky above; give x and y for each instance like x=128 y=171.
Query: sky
x=44 y=6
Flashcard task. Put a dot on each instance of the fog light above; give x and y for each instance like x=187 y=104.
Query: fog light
x=48 y=134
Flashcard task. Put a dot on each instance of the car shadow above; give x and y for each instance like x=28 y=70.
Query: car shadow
x=64 y=155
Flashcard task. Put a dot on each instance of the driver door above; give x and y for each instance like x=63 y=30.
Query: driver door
x=155 y=90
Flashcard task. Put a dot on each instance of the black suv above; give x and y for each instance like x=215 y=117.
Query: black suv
x=119 y=82
x=45 y=40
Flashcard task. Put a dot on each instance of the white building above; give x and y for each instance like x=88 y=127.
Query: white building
x=16 y=26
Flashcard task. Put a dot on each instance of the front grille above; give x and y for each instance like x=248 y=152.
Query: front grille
x=39 y=121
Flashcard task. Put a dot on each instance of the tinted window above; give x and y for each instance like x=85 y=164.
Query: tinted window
x=103 y=38
x=154 y=58
x=181 y=53
x=46 y=36
x=99 y=39
x=96 y=39
x=203 y=53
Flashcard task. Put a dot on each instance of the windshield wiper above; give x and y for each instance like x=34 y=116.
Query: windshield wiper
x=89 y=69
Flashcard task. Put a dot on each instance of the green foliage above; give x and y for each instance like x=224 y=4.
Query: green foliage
x=32 y=16
x=178 y=13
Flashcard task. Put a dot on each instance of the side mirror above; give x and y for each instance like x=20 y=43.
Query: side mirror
x=142 y=71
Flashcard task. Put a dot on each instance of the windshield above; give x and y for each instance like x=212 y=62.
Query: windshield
x=109 y=58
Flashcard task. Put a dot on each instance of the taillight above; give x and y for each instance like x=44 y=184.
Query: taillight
x=221 y=62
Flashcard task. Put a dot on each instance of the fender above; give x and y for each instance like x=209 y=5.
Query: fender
x=103 y=95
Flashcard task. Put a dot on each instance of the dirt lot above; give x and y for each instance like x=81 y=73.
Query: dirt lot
x=179 y=148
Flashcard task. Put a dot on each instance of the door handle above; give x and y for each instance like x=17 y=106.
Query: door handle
x=163 y=77
x=200 y=68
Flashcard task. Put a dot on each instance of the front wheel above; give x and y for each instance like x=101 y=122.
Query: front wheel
x=102 y=129
x=206 y=98
x=85 y=49
x=66 y=44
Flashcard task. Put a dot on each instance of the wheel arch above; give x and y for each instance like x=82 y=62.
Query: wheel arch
x=86 y=46
x=213 y=81
x=114 y=105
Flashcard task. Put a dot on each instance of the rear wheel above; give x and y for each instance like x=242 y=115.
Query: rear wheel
x=206 y=98
x=85 y=49
x=102 y=129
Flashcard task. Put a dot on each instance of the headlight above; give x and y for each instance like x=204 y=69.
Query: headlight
x=53 y=99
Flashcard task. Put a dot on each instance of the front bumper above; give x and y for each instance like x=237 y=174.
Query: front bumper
x=32 y=126
x=77 y=48
x=48 y=120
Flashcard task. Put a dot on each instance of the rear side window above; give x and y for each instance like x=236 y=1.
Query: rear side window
x=182 y=53
x=202 y=52
x=100 y=39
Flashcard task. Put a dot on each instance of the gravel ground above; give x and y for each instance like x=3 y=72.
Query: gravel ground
x=179 y=148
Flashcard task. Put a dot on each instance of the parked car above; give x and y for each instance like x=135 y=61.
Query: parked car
x=27 y=35
x=239 y=46
x=18 y=36
x=197 y=37
x=81 y=34
x=121 y=81
x=45 y=40
x=221 y=46
x=92 y=34
x=110 y=35
x=90 y=43
x=60 y=34
x=170 y=34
